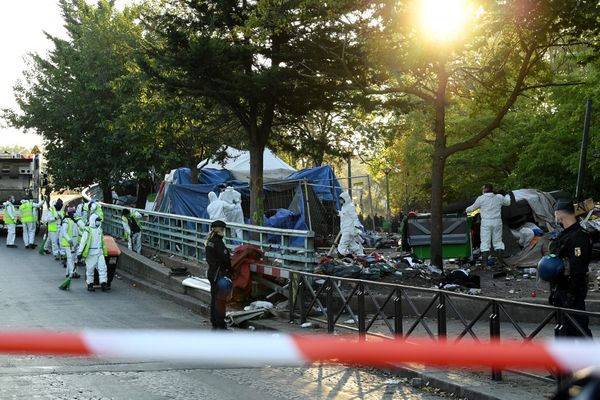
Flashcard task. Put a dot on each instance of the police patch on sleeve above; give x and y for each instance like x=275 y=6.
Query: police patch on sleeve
x=577 y=251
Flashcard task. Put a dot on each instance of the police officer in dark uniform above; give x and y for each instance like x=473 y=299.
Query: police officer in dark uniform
x=574 y=247
x=219 y=264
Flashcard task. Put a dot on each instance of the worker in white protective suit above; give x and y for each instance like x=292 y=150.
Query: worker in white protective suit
x=69 y=237
x=350 y=228
x=10 y=220
x=53 y=222
x=132 y=229
x=233 y=197
x=217 y=209
x=28 y=217
x=92 y=248
x=490 y=207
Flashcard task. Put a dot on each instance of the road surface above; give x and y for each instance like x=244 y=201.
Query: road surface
x=30 y=299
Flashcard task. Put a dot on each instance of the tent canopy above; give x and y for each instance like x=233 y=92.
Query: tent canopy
x=237 y=163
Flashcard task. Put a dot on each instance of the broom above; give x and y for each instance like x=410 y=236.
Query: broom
x=43 y=244
x=66 y=284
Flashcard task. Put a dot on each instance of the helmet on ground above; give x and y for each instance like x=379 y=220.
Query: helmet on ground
x=550 y=268
x=224 y=288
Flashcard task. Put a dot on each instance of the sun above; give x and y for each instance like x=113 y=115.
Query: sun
x=443 y=20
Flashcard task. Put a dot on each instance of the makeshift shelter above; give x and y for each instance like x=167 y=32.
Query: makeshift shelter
x=306 y=200
x=237 y=163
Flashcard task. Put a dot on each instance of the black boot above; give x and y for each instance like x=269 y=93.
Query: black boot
x=105 y=287
x=484 y=258
x=500 y=258
x=91 y=287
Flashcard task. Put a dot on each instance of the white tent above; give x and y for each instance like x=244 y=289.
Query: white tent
x=238 y=163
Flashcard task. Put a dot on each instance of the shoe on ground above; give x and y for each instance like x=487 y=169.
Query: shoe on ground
x=76 y=275
x=33 y=246
x=46 y=251
x=105 y=287
x=12 y=246
x=90 y=287
x=27 y=246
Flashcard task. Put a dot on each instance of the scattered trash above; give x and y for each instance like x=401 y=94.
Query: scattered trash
x=265 y=305
x=474 y=291
x=251 y=328
x=398 y=273
x=499 y=275
x=392 y=382
x=511 y=291
x=349 y=321
x=306 y=325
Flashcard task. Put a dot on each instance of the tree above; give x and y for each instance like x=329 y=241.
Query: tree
x=68 y=96
x=477 y=76
x=256 y=59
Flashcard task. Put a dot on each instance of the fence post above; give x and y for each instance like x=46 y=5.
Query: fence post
x=292 y=291
x=300 y=299
x=329 y=305
x=362 y=325
x=398 y=315
x=495 y=335
x=441 y=317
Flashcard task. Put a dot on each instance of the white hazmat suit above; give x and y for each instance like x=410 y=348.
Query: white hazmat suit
x=218 y=209
x=69 y=237
x=10 y=220
x=350 y=241
x=233 y=197
x=92 y=247
x=490 y=207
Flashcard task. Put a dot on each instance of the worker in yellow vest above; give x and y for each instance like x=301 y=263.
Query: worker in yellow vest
x=93 y=249
x=53 y=222
x=69 y=237
x=10 y=221
x=27 y=210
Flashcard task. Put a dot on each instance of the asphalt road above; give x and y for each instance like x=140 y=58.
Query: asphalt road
x=30 y=299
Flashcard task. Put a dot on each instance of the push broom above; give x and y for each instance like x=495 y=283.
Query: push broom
x=66 y=284
x=43 y=244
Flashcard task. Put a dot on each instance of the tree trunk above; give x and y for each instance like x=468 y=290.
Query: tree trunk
x=106 y=192
x=194 y=171
x=257 y=211
x=437 y=191
x=144 y=187
x=438 y=164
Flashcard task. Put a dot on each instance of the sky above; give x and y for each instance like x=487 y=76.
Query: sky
x=22 y=26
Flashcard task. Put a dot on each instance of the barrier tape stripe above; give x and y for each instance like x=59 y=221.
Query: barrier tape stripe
x=260 y=349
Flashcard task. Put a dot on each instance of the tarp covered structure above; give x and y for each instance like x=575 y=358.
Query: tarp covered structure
x=306 y=200
x=237 y=163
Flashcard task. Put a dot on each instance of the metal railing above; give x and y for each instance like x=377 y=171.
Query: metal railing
x=392 y=310
x=185 y=236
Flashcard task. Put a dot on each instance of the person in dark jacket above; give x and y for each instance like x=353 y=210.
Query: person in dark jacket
x=218 y=259
x=574 y=247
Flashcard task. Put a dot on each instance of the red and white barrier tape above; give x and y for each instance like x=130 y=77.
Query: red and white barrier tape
x=259 y=349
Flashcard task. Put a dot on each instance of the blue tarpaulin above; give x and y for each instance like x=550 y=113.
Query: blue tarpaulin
x=184 y=198
x=323 y=182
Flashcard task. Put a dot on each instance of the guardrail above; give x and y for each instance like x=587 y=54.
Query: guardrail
x=390 y=311
x=185 y=236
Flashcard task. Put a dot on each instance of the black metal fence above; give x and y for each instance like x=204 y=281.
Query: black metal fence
x=392 y=310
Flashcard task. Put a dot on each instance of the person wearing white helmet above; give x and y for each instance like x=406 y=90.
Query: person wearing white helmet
x=218 y=209
x=350 y=227
x=10 y=220
x=92 y=247
x=27 y=210
x=53 y=222
x=132 y=228
x=234 y=198
x=69 y=237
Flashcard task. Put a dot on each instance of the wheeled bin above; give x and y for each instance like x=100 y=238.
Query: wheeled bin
x=111 y=260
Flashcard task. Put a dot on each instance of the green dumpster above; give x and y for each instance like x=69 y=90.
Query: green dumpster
x=456 y=239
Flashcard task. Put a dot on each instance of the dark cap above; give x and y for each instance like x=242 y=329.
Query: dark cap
x=565 y=205
x=218 y=224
